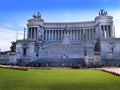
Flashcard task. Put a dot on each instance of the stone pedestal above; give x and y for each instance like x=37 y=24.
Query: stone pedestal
x=12 y=58
x=97 y=58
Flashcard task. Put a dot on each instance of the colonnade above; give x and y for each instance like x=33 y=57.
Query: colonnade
x=75 y=35
x=32 y=32
x=106 y=31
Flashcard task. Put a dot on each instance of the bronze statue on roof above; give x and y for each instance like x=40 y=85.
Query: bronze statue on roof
x=102 y=12
x=38 y=15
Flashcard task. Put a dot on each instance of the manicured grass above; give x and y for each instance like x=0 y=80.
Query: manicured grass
x=57 y=80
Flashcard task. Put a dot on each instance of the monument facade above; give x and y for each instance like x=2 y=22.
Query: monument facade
x=66 y=43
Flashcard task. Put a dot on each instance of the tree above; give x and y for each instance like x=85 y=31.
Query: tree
x=13 y=46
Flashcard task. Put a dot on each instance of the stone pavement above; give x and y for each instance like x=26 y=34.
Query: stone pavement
x=115 y=71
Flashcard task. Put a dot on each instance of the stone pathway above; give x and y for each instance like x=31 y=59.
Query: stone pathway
x=115 y=71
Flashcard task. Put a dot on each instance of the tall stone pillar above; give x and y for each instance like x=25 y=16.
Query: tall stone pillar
x=106 y=31
x=80 y=34
x=31 y=33
x=45 y=35
x=71 y=35
x=88 y=34
x=111 y=29
x=55 y=35
x=48 y=35
x=28 y=33
x=58 y=35
x=34 y=33
x=37 y=31
x=51 y=35
x=103 y=32
x=92 y=34
x=77 y=35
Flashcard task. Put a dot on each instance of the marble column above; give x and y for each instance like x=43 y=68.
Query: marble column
x=110 y=35
x=80 y=34
x=92 y=34
x=103 y=32
x=49 y=36
x=74 y=35
x=55 y=35
x=71 y=35
x=61 y=35
x=106 y=31
x=36 y=33
x=52 y=35
x=45 y=35
x=31 y=33
x=58 y=35
x=111 y=31
x=27 y=33
x=77 y=35
x=88 y=34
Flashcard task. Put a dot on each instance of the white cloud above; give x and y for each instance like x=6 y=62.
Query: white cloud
x=8 y=24
x=6 y=37
x=116 y=18
x=22 y=24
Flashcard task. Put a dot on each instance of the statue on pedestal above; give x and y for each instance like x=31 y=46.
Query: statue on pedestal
x=102 y=12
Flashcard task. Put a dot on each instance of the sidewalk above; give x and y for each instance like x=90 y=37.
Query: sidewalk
x=115 y=71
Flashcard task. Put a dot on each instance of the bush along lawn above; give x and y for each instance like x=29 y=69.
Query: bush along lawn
x=57 y=80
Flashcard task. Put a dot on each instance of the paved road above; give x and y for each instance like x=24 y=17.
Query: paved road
x=116 y=70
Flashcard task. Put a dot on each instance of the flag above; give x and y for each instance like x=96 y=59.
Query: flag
x=40 y=35
x=83 y=31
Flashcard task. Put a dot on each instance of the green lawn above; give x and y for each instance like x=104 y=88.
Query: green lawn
x=57 y=80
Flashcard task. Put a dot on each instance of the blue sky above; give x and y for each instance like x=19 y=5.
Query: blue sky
x=14 y=14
